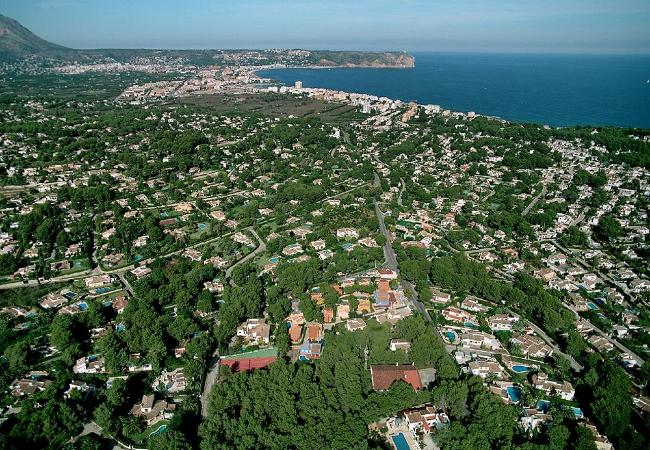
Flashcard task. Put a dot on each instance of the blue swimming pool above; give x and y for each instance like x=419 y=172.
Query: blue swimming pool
x=400 y=442
x=83 y=306
x=202 y=226
x=161 y=429
x=102 y=290
x=303 y=358
x=520 y=369
x=274 y=259
x=451 y=336
x=592 y=306
x=514 y=393
x=577 y=412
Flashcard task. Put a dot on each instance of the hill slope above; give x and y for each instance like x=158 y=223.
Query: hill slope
x=17 y=42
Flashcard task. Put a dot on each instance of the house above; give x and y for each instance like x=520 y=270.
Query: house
x=32 y=383
x=183 y=208
x=293 y=249
x=533 y=418
x=454 y=314
x=152 y=410
x=53 y=301
x=255 y=331
x=532 y=346
x=328 y=315
x=241 y=238
x=347 y=233
x=214 y=287
x=400 y=344
x=601 y=344
x=440 y=297
x=98 y=281
x=192 y=254
x=78 y=386
x=318 y=245
x=310 y=350
x=383 y=376
x=342 y=312
x=425 y=419
x=602 y=443
x=89 y=364
x=59 y=266
x=355 y=324
x=72 y=250
x=315 y=332
x=140 y=272
x=141 y=241
x=170 y=382
x=485 y=369
x=218 y=215
x=325 y=254
x=387 y=274
x=120 y=303
x=544 y=274
x=563 y=390
x=502 y=322
x=479 y=340
x=472 y=304
x=295 y=332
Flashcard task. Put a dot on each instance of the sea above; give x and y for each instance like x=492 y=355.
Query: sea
x=557 y=90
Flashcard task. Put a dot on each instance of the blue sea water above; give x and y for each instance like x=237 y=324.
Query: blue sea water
x=558 y=90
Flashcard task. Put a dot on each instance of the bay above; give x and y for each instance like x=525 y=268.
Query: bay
x=558 y=90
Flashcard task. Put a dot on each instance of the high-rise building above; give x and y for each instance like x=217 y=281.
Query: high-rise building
x=298 y=84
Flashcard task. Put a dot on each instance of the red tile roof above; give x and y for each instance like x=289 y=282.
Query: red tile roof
x=248 y=364
x=383 y=377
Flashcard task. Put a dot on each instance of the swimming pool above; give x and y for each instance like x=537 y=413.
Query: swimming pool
x=274 y=259
x=514 y=393
x=400 y=442
x=102 y=290
x=83 y=306
x=202 y=226
x=520 y=369
x=577 y=412
x=161 y=429
x=451 y=336
x=592 y=306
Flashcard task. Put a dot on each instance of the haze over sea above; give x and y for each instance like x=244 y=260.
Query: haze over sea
x=558 y=90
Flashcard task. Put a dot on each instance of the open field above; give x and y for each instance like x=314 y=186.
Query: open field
x=276 y=105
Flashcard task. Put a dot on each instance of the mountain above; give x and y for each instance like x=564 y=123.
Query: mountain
x=17 y=42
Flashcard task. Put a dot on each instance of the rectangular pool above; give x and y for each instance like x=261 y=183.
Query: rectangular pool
x=400 y=442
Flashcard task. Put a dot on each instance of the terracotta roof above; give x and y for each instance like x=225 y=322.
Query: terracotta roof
x=383 y=377
x=295 y=332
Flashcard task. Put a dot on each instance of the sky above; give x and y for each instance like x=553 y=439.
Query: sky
x=522 y=26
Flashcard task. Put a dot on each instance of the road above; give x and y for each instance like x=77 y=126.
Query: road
x=126 y=284
x=574 y=364
x=401 y=191
x=98 y=270
x=391 y=263
x=535 y=200
x=210 y=379
x=260 y=248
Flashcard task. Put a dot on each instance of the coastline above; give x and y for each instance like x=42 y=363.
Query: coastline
x=559 y=91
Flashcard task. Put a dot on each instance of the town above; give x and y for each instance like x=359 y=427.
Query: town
x=378 y=273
